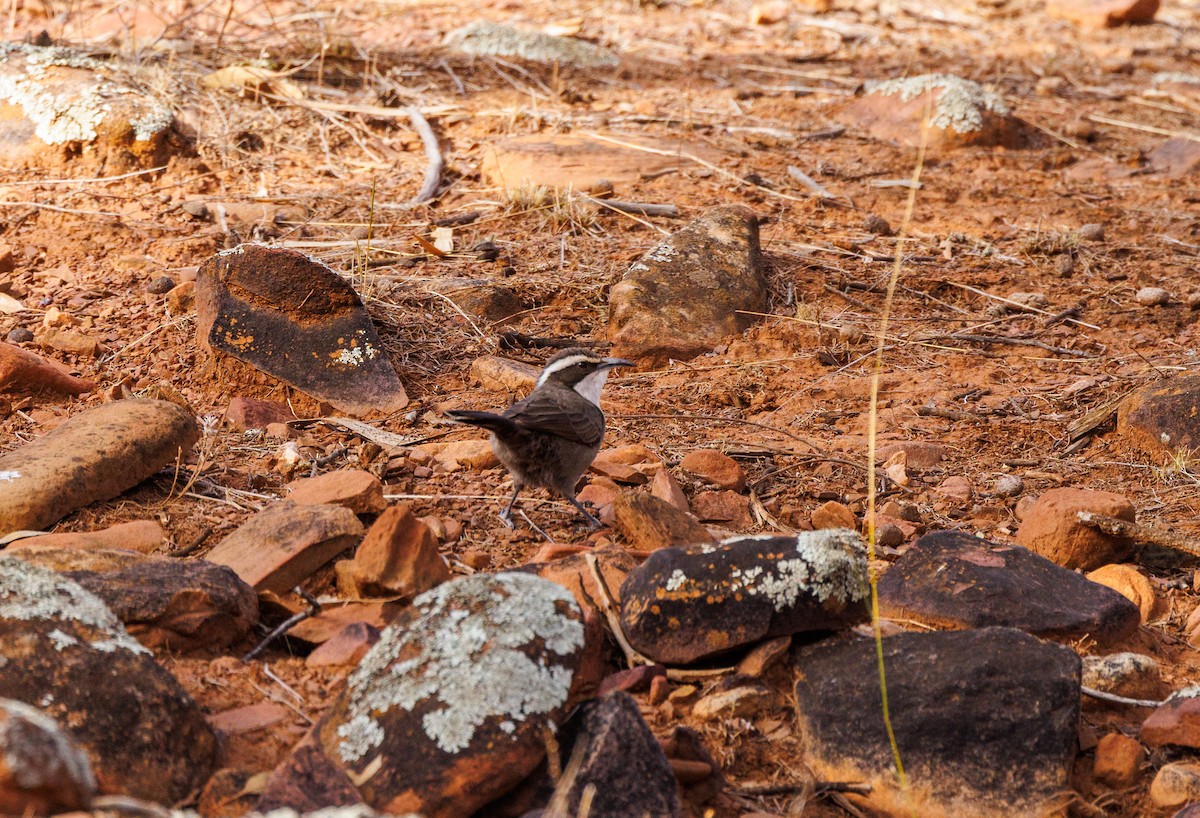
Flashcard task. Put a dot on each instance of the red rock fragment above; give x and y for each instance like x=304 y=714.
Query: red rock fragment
x=24 y=373
x=397 y=557
x=250 y=413
x=716 y=468
x=355 y=489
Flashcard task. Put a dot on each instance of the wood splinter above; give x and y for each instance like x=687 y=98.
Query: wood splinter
x=1143 y=534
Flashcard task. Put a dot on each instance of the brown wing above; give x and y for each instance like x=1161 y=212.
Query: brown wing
x=561 y=412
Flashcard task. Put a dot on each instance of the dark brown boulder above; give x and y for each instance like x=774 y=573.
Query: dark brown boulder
x=1163 y=418
x=953 y=580
x=986 y=720
x=63 y=650
x=690 y=603
x=296 y=319
x=42 y=771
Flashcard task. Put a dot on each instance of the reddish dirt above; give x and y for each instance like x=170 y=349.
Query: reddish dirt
x=789 y=399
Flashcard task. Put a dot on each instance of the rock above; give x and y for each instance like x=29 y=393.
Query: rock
x=740 y=702
x=282 y=545
x=1176 y=158
x=833 y=514
x=689 y=603
x=455 y=456
x=956 y=487
x=715 y=468
x=167 y=604
x=1051 y=528
x=1160 y=419
x=43 y=771
x=249 y=719
x=1103 y=13
x=726 y=507
x=27 y=374
x=308 y=782
x=919 y=454
x=161 y=285
x=182 y=299
x=683 y=297
x=951 y=579
x=332 y=619
x=482 y=299
x=68 y=341
x=1152 y=297
x=975 y=752
x=449 y=709
x=143 y=536
x=1130 y=583
x=95 y=455
x=250 y=413
x=649 y=523
x=502 y=374
x=1008 y=485
x=488 y=39
x=1132 y=675
x=600 y=495
x=575 y=161
x=635 y=679
x=665 y=487
x=1176 y=784
x=619 y=760
x=1118 y=760
x=66 y=107
x=347 y=647
x=762 y=657
x=574 y=574
x=397 y=557
x=877 y=225
x=686 y=752
x=355 y=489
x=1176 y=722
x=229 y=793
x=19 y=335
x=1091 y=232
x=295 y=319
x=62 y=650
x=961 y=113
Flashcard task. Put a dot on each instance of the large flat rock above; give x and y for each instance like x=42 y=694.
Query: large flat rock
x=986 y=720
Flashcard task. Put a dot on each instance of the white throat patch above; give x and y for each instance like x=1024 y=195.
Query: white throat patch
x=591 y=386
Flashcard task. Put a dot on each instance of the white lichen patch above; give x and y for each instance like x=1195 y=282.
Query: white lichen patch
x=29 y=592
x=485 y=39
x=466 y=652
x=9 y=476
x=959 y=106
x=830 y=564
x=71 y=110
x=25 y=735
x=356 y=354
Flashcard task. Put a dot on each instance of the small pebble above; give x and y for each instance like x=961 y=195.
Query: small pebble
x=19 y=335
x=1008 y=485
x=1152 y=296
x=1092 y=232
x=877 y=225
x=1193 y=300
x=161 y=285
x=1064 y=265
x=197 y=210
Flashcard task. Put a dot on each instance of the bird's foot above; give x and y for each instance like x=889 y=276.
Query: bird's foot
x=506 y=518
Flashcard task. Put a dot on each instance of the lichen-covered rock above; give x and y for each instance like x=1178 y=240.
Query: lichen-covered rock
x=690 y=603
x=960 y=112
x=294 y=318
x=64 y=651
x=166 y=604
x=448 y=710
x=691 y=291
x=94 y=456
x=987 y=720
x=42 y=771
x=954 y=580
x=488 y=39
x=58 y=104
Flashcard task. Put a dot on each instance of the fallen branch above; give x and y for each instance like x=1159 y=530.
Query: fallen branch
x=314 y=608
x=433 y=171
x=1113 y=697
x=1116 y=527
x=1003 y=339
x=669 y=211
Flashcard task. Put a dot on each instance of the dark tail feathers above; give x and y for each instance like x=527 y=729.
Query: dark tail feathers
x=487 y=420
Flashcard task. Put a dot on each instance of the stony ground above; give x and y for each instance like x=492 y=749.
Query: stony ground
x=311 y=161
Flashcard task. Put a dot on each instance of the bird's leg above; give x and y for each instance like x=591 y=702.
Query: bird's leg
x=506 y=515
x=592 y=521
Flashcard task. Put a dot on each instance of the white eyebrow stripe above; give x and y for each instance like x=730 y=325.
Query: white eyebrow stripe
x=559 y=366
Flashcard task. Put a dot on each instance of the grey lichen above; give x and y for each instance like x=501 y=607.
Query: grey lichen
x=467 y=651
x=29 y=592
x=823 y=565
x=25 y=732
x=960 y=105
x=62 y=113
x=486 y=39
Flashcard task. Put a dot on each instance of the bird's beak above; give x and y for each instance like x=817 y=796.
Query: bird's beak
x=609 y=363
